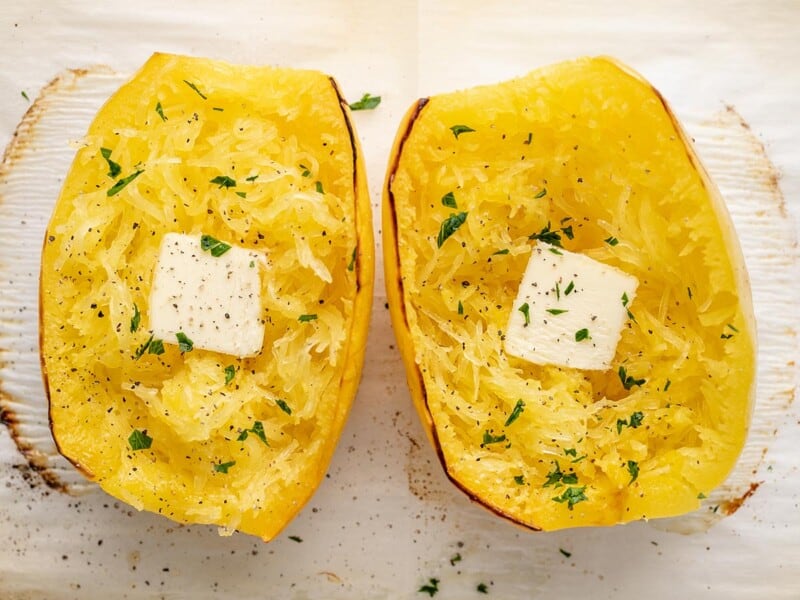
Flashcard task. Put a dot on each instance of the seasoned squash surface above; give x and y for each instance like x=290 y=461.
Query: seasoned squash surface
x=586 y=156
x=261 y=158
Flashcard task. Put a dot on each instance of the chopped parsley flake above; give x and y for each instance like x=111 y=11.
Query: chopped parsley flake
x=352 y=264
x=625 y=299
x=571 y=452
x=634 y=421
x=449 y=226
x=449 y=200
x=431 y=588
x=143 y=348
x=459 y=129
x=223 y=467
x=556 y=311
x=251 y=178
x=499 y=252
x=139 y=440
x=230 y=373
x=525 y=310
x=558 y=292
x=701 y=496
x=628 y=381
x=160 y=111
x=488 y=438
x=460 y=308
x=565 y=553
x=296 y=538
x=732 y=328
x=556 y=251
x=567 y=231
x=217 y=108
x=184 y=343
x=633 y=469
x=515 y=413
x=194 y=87
x=455 y=559
x=307 y=318
x=223 y=181
x=572 y=495
x=557 y=478
x=582 y=334
x=25 y=95
x=667 y=384
x=121 y=183
x=135 y=319
x=611 y=241
x=257 y=430
x=367 y=102
x=519 y=479
x=569 y=288
x=213 y=245
x=541 y=193
x=283 y=406
x=319 y=188
x=156 y=347
x=482 y=588
x=113 y=168
x=241 y=194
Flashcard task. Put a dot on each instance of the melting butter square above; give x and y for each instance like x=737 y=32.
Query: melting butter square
x=576 y=309
x=214 y=300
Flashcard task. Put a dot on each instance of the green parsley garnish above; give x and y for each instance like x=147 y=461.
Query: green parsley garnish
x=319 y=187
x=121 y=183
x=567 y=231
x=296 y=538
x=306 y=171
x=689 y=290
x=367 y=102
x=449 y=226
x=555 y=251
x=634 y=421
x=503 y=251
x=113 y=168
x=558 y=292
x=307 y=318
x=25 y=95
x=257 y=430
x=241 y=194
x=482 y=588
x=230 y=373
x=569 y=288
x=515 y=413
x=194 y=87
x=541 y=193
x=139 y=440
x=156 y=347
x=144 y=347
x=488 y=438
x=251 y=178
x=449 y=200
x=633 y=469
x=352 y=264
x=701 y=496
x=223 y=181
x=565 y=553
x=557 y=478
x=160 y=111
x=459 y=129
x=519 y=479
x=460 y=308
x=283 y=406
x=135 y=319
x=571 y=452
x=213 y=245
x=430 y=588
x=556 y=311
x=547 y=236
x=611 y=241
x=525 y=310
x=223 y=467
x=455 y=558
x=725 y=336
x=627 y=380
x=572 y=495
x=732 y=328
x=667 y=384
x=217 y=108
x=582 y=334
x=184 y=343
x=625 y=299
x=631 y=317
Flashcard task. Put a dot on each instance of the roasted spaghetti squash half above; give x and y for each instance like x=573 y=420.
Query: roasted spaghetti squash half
x=206 y=286
x=569 y=296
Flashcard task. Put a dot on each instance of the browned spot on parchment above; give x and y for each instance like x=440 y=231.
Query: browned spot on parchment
x=731 y=506
x=21 y=139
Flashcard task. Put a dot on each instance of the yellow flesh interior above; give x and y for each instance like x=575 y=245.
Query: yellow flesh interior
x=281 y=136
x=601 y=152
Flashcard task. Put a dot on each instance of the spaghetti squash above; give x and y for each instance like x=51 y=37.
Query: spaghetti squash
x=582 y=160
x=191 y=163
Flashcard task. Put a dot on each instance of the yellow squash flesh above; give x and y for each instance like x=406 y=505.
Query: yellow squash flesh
x=589 y=145
x=285 y=137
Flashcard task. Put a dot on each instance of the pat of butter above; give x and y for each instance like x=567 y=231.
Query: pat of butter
x=576 y=309
x=214 y=300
